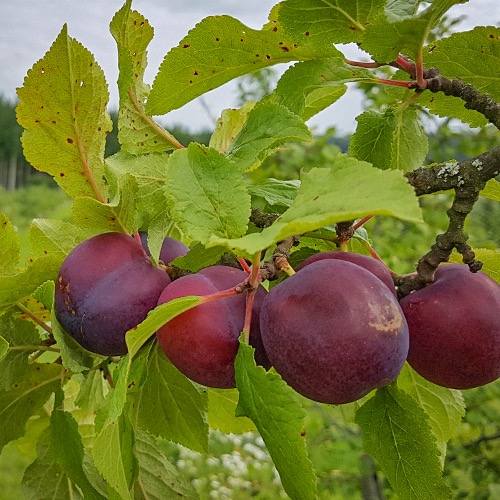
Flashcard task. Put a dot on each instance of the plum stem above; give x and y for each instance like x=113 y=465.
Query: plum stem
x=244 y=265
x=361 y=222
x=253 y=281
x=248 y=315
x=376 y=256
x=222 y=294
x=34 y=317
x=283 y=265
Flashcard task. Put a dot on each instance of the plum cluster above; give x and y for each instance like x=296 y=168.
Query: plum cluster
x=334 y=330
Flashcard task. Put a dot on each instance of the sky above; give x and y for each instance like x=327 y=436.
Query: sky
x=29 y=28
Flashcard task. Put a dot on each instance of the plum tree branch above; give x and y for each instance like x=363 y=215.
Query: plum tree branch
x=466 y=178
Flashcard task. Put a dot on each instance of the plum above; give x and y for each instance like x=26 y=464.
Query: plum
x=380 y=270
x=224 y=277
x=454 y=328
x=334 y=331
x=106 y=286
x=170 y=248
x=202 y=342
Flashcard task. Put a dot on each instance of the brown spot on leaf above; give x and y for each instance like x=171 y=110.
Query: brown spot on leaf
x=69 y=140
x=185 y=46
x=285 y=49
x=307 y=33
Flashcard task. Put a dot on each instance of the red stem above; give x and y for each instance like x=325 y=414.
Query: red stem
x=404 y=63
x=419 y=71
x=376 y=256
x=419 y=68
x=361 y=222
x=222 y=294
x=253 y=281
x=248 y=315
x=244 y=265
x=395 y=83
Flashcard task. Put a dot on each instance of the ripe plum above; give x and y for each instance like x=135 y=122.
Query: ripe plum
x=202 y=342
x=380 y=270
x=106 y=286
x=170 y=248
x=454 y=328
x=334 y=332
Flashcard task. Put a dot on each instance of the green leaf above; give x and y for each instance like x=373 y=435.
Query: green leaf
x=470 y=56
x=396 y=432
x=63 y=111
x=45 y=294
x=491 y=190
x=68 y=448
x=157 y=318
x=207 y=194
x=396 y=9
x=158 y=478
x=137 y=132
x=325 y=197
x=221 y=412
x=444 y=407
x=386 y=38
x=199 y=257
x=311 y=86
x=118 y=215
x=93 y=389
x=390 y=140
x=136 y=338
x=338 y=21
x=149 y=174
x=26 y=398
x=10 y=246
x=489 y=258
x=279 y=417
x=74 y=357
x=21 y=338
x=113 y=454
x=54 y=237
x=228 y=126
x=17 y=286
x=268 y=126
x=169 y=405
x=215 y=51
x=276 y=192
x=451 y=107
x=44 y=479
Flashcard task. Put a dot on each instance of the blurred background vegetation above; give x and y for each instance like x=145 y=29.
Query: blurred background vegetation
x=239 y=467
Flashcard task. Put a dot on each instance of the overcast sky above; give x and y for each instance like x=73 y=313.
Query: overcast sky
x=29 y=28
